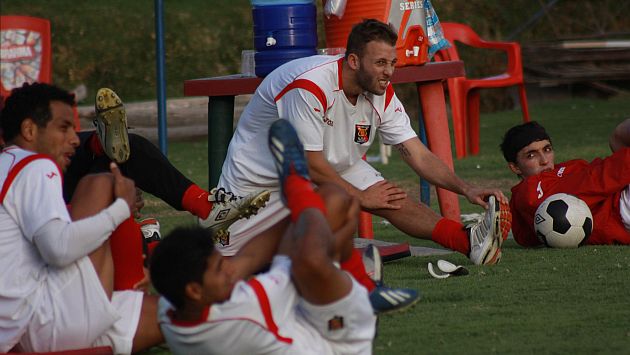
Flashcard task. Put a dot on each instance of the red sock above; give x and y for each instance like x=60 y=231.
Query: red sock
x=300 y=196
x=452 y=235
x=195 y=201
x=94 y=145
x=126 y=244
x=354 y=265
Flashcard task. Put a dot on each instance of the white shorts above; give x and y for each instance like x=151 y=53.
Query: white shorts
x=624 y=207
x=76 y=313
x=349 y=324
x=361 y=175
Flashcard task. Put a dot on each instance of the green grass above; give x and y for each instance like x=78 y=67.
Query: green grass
x=547 y=301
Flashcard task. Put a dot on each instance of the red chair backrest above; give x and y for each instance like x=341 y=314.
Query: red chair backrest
x=26 y=54
x=457 y=32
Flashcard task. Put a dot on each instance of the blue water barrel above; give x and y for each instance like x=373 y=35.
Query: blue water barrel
x=283 y=33
x=267 y=61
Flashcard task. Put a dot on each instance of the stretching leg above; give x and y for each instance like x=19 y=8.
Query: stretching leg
x=147 y=166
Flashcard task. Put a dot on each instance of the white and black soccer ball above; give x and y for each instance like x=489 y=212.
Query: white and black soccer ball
x=563 y=221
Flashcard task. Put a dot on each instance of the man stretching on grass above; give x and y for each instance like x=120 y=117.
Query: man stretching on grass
x=338 y=104
x=303 y=305
x=604 y=184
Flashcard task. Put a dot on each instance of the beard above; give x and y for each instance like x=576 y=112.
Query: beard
x=368 y=83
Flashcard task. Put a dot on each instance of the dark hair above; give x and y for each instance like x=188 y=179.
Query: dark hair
x=180 y=258
x=30 y=101
x=367 y=31
x=518 y=137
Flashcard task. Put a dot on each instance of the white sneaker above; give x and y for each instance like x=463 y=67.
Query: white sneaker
x=150 y=228
x=373 y=264
x=487 y=235
x=229 y=208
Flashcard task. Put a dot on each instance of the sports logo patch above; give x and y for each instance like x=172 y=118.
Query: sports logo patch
x=538 y=219
x=362 y=133
x=223 y=239
x=222 y=214
x=335 y=323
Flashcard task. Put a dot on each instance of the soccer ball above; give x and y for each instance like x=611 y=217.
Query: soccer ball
x=563 y=221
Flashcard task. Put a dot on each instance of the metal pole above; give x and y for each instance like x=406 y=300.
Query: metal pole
x=161 y=77
x=425 y=187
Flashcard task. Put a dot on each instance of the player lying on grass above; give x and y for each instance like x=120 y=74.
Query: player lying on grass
x=303 y=305
x=57 y=288
x=604 y=184
x=338 y=104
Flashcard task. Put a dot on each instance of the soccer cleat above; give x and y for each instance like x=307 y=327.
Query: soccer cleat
x=287 y=151
x=111 y=125
x=386 y=300
x=505 y=221
x=373 y=264
x=150 y=228
x=228 y=208
x=487 y=235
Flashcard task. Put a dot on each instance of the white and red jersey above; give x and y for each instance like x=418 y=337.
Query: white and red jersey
x=261 y=317
x=598 y=183
x=308 y=92
x=30 y=196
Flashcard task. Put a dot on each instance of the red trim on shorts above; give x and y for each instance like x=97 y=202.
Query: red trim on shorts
x=15 y=170
x=308 y=86
x=265 y=307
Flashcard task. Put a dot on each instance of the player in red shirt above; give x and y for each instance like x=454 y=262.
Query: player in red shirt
x=604 y=184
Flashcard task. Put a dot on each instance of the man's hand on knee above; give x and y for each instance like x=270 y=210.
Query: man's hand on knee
x=383 y=194
x=124 y=188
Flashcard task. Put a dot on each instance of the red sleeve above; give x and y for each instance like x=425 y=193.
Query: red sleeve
x=599 y=178
x=523 y=216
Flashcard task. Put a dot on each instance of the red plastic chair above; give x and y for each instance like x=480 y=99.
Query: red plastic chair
x=464 y=92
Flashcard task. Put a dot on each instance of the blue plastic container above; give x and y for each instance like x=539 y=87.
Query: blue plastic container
x=267 y=61
x=283 y=33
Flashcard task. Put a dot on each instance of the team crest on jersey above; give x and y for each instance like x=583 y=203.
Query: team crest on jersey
x=362 y=133
x=335 y=323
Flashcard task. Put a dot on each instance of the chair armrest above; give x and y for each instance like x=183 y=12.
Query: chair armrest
x=511 y=49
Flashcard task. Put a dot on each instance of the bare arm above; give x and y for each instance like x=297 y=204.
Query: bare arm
x=620 y=136
x=431 y=168
x=257 y=252
x=379 y=195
